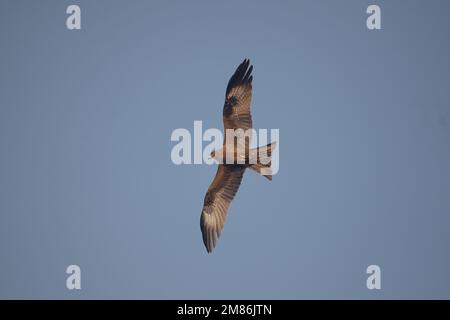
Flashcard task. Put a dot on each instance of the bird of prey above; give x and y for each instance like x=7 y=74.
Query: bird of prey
x=236 y=115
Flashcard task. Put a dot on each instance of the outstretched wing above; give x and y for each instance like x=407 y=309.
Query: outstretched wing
x=238 y=97
x=217 y=200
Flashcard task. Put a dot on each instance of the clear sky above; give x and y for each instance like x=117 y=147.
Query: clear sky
x=86 y=176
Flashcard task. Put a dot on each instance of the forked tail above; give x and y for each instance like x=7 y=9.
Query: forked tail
x=262 y=159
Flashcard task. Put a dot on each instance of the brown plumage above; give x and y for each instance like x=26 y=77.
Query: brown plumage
x=236 y=115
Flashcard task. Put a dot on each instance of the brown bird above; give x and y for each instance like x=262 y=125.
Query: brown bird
x=236 y=115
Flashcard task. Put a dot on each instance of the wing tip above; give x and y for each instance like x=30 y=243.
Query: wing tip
x=208 y=235
x=209 y=243
x=242 y=75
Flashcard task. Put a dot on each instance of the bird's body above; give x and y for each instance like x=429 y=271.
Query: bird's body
x=234 y=157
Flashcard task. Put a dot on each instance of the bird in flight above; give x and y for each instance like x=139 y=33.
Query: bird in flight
x=234 y=157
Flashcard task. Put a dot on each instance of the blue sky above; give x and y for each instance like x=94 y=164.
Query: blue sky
x=86 y=176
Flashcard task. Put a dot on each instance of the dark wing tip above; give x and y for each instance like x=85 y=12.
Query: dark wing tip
x=242 y=76
x=209 y=238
